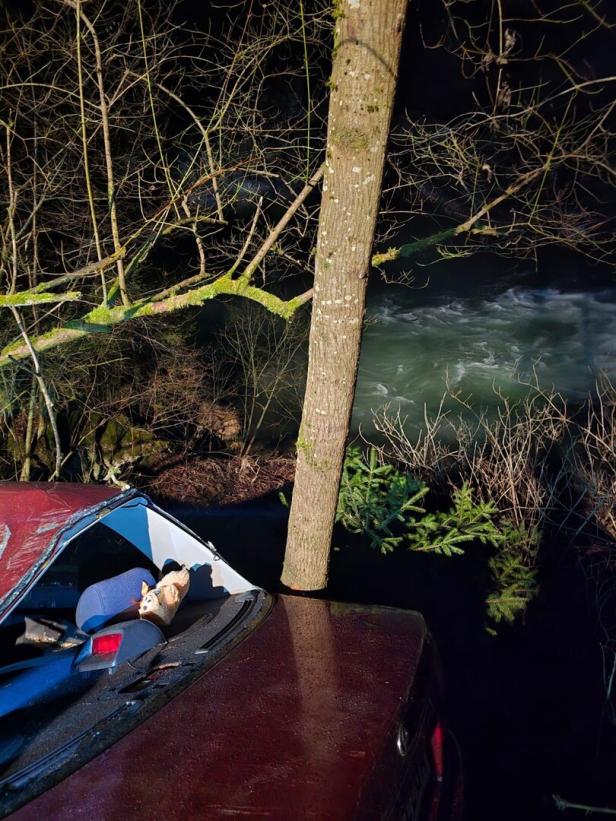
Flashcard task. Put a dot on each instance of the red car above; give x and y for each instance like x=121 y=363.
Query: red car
x=244 y=705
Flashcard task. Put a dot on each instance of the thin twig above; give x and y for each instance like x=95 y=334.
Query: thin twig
x=113 y=216
x=86 y=161
x=562 y=804
x=44 y=392
x=281 y=225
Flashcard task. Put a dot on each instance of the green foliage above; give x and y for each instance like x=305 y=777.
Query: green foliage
x=515 y=583
x=467 y=521
x=377 y=500
x=385 y=505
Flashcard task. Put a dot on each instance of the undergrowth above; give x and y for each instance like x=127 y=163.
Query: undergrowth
x=386 y=505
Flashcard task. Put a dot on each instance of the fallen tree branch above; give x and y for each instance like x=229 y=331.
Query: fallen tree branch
x=103 y=319
x=20 y=300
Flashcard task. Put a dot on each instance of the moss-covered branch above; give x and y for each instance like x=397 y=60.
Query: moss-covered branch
x=20 y=300
x=466 y=227
x=103 y=319
x=412 y=248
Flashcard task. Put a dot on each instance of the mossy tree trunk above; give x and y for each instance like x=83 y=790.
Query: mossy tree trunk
x=365 y=67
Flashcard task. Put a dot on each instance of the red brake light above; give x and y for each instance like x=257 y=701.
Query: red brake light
x=107 y=644
x=437 y=750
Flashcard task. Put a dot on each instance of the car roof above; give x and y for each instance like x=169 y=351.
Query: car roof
x=32 y=516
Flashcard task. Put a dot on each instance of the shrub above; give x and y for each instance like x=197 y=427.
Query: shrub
x=515 y=583
x=377 y=500
x=385 y=504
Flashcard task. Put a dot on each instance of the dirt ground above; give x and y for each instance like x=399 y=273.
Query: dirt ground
x=220 y=480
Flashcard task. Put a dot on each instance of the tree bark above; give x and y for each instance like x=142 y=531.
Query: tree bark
x=365 y=67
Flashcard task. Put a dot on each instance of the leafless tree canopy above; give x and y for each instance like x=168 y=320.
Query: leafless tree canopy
x=530 y=163
x=146 y=167
x=131 y=141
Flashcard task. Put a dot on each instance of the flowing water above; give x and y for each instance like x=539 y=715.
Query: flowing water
x=477 y=338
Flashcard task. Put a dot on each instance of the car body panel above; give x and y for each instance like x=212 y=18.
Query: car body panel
x=299 y=721
x=32 y=518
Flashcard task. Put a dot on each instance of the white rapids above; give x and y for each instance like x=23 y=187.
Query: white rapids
x=416 y=343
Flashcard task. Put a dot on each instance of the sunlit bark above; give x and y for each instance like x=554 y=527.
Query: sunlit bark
x=366 y=54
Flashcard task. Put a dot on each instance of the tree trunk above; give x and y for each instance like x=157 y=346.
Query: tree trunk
x=365 y=67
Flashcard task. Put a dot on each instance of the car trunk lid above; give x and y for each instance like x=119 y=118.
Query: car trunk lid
x=299 y=721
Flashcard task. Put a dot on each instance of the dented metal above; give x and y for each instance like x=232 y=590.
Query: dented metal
x=36 y=522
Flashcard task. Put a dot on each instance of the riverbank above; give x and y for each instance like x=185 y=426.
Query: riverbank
x=219 y=479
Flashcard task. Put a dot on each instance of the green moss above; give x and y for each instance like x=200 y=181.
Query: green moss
x=386 y=256
x=352 y=138
x=99 y=316
x=26 y=298
x=428 y=242
x=20 y=350
x=338 y=9
x=102 y=318
x=303 y=444
x=306 y=447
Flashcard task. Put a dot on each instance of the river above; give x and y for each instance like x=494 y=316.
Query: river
x=478 y=331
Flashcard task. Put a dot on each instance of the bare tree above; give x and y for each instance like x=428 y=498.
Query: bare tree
x=129 y=140
x=366 y=53
x=106 y=163
x=530 y=164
